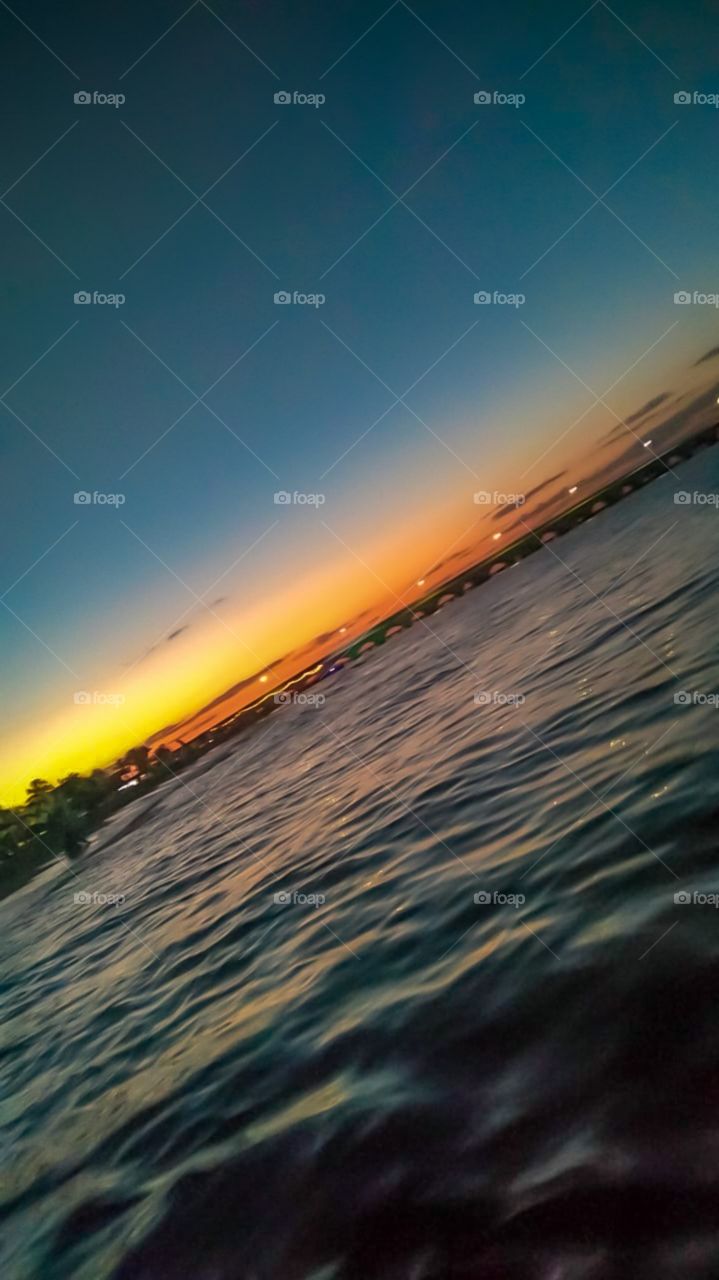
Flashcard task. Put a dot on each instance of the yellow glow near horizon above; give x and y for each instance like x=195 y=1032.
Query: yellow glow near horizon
x=172 y=683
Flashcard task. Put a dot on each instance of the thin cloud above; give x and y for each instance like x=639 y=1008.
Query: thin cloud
x=649 y=408
x=614 y=433
x=695 y=415
x=538 y=488
x=457 y=555
x=711 y=354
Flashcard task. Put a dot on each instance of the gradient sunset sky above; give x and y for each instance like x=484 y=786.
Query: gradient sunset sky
x=397 y=399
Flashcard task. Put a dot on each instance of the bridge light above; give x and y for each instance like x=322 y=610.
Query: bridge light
x=496 y=537
x=263 y=679
x=420 y=582
x=648 y=442
x=573 y=488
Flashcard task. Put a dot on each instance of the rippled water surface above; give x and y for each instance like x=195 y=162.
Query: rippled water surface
x=402 y=1083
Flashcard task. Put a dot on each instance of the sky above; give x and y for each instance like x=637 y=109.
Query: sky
x=392 y=395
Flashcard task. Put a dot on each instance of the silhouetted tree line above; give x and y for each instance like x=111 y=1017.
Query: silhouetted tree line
x=57 y=820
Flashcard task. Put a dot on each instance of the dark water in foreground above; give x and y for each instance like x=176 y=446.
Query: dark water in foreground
x=401 y=1083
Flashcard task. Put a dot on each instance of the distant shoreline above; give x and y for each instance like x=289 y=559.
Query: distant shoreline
x=22 y=866
x=535 y=538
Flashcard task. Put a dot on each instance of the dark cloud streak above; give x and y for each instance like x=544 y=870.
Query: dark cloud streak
x=711 y=354
x=648 y=408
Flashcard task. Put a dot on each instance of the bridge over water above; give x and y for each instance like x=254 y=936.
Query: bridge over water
x=531 y=541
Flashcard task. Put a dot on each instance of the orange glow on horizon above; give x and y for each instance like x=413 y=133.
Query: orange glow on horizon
x=171 y=686
x=267 y=632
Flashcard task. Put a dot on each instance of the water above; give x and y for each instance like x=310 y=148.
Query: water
x=400 y=1083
